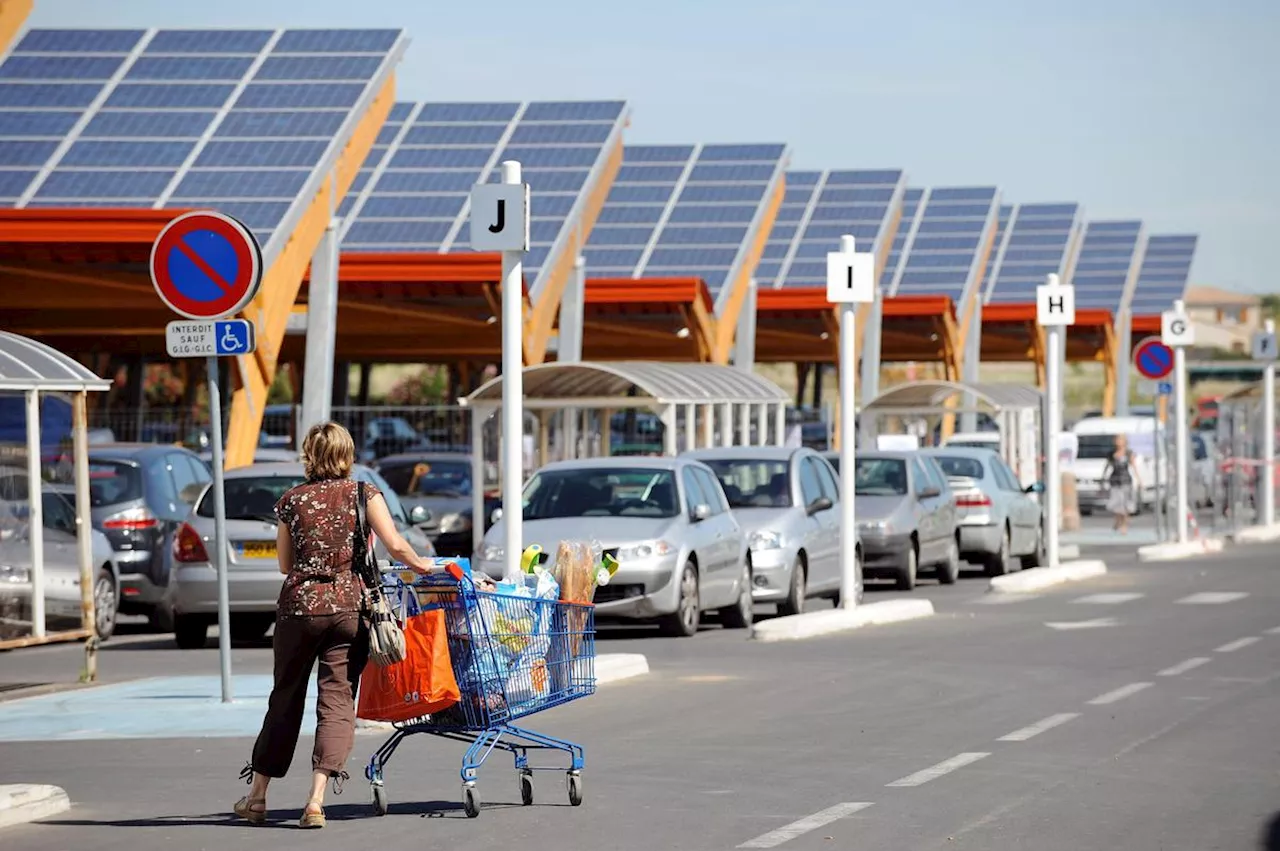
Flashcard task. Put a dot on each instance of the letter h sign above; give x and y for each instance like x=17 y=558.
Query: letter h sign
x=1055 y=304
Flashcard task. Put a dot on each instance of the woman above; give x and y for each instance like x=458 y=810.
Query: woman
x=318 y=618
x=1121 y=476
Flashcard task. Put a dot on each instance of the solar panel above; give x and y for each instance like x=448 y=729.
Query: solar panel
x=1106 y=264
x=946 y=250
x=685 y=210
x=1038 y=241
x=416 y=182
x=911 y=207
x=821 y=206
x=1162 y=278
x=237 y=120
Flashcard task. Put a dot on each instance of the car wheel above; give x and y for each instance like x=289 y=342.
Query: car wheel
x=683 y=622
x=190 y=632
x=740 y=615
x=998 y=563
x=794 y=604
x=106 y=604
x=949 y=570
x=1036 y=558
x=907 y=573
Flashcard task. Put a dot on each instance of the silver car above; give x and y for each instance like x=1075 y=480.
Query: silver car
x=787 y=501
x=680 y=550
x=906 y=517
x=254 y=577
x=999 y=520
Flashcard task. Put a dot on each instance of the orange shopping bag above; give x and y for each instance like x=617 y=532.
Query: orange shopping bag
x=420 y=684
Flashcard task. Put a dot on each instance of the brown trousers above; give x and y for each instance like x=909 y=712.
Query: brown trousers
x=341 y=643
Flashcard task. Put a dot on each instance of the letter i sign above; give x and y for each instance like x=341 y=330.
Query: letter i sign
x=1055 y=305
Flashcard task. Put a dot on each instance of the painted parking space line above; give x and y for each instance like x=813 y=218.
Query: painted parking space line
x=1119 y=694
x=1210 y=598
x=1039 y=727
x=935 y=771
x=1111 y=599
x=1275 y=630
x=1183 y=667
x=1238 y=644
x=788 y=832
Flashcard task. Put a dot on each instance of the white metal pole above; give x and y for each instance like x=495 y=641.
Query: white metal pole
x=780 y=424
x=726 y=424
x=762 y=424
x=670 y=440
x=35 y=519
x=322 y=329
x=744 y=424
x=1268 y=473
x=708 y=426
x=219 y=542
x=512 y=395
x=690 y=427
x=1180 y=433
x=476 y=417
x=849 y=578
x=1051 y=426
x=84 y=518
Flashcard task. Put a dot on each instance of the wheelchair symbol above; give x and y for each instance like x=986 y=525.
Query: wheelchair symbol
x=230 y=340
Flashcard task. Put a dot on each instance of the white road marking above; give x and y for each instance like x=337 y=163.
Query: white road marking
x=1119 y=694
x=1238 y=644
x=1275 y=630
x=1002 y=599
x=1206 y=598
x=1039 y=727
x=1183 y=667
x=1110 y=599
x=1096 y=623
x=797 y=828
x=936 y=771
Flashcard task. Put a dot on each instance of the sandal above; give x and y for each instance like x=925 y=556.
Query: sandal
x=252 y=810
x=312 y=820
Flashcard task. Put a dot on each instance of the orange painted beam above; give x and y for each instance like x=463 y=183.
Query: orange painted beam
x=13 y=14
x=673 y=291
x=58 y=225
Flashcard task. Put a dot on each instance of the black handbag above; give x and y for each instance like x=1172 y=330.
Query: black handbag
x=386 y=635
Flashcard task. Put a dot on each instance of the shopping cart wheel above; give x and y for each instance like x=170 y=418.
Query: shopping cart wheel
x=379 y=799
x=526 y=787
x=470 y=800
x=575 y=788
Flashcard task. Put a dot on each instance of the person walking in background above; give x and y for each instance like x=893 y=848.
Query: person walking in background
x=1121 y=476
x=318 y=617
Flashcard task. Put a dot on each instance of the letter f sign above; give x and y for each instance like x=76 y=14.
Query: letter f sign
x=502 y=218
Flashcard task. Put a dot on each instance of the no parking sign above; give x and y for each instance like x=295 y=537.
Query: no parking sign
x=206 y=265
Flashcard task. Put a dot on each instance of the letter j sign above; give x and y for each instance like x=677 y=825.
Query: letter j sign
x=500 y=217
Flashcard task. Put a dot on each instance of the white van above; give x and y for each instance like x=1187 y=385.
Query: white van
x=1096 y=438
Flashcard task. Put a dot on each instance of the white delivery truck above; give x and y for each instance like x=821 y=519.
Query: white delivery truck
x=1096 y=442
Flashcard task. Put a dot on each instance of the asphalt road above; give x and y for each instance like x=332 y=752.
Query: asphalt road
x=1140 y=710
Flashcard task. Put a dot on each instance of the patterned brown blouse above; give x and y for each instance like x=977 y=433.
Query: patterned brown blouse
x=321 y=518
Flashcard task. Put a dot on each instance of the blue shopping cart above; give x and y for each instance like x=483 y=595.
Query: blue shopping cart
x=512 y=656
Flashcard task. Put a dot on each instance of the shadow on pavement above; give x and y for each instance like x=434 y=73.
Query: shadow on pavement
x=286 y=818
x=1271 y=835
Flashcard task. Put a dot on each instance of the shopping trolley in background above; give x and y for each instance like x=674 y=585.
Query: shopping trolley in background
x=512 y=656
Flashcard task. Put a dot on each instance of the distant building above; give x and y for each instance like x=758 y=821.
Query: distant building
x=1223 y=319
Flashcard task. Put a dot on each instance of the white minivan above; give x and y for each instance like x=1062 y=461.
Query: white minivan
x=1097 y=442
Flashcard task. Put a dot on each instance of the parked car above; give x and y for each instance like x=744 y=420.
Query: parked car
x=787 y=503
x=261 y=455
x=385 y=436
x=61 y=568
x=435 y=487
x=254 y=577
x=906 y=517
x=999 y=520
x=680 y=549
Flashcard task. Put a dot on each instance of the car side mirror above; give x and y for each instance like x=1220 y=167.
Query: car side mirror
x=419 y=515
x=822 y=503
x=1038 y=487
x=701 y=512
x=929 y=493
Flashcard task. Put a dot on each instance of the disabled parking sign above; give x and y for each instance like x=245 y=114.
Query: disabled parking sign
x=206 y=265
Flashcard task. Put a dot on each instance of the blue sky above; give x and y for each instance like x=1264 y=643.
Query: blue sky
x=1164 y=110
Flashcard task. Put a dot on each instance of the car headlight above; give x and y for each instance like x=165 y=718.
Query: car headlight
x=15 y=573
x=491 y=552
x=648 y=549
x=456 y=522
x=765 y=541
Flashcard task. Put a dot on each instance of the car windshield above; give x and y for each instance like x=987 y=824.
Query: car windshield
x=880 y=477
x=112 y=482
x=955 y=466
x=428 y=478
x=251 y=497
x=616 y=492
x=1096 y=446
x=751 y=483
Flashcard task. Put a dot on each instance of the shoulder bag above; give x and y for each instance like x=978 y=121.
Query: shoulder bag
x=386 y=635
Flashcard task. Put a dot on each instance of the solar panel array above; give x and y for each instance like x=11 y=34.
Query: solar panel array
x=1108 y=261
x=238 y=120
x=412 y=191
x=1002 y=226
x=684 y=211
x=1040 y=240
x=819 y=207
x=906 y=226
x=955 y=227
x=1162 y=279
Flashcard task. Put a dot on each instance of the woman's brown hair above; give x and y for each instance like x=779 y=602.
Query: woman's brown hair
x=328 y=452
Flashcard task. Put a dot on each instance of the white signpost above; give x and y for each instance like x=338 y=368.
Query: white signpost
x=500 y=222
x=1177 y=332
x=1264 y=349
x=1055 y=311
x=851 y=280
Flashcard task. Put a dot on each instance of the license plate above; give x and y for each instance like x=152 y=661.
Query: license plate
x=258 y=549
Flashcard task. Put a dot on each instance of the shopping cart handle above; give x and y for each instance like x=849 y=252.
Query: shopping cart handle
x=388 y=566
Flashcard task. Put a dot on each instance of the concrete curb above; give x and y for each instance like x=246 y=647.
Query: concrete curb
x=830 y=621
x=1068 y=551
x=1258 y=534
x=24 y=802
x=1175 y=551
x=1036 y=578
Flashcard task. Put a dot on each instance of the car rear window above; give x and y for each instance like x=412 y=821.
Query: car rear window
x=113 y=482
x=251 y=497
x=955 y=466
